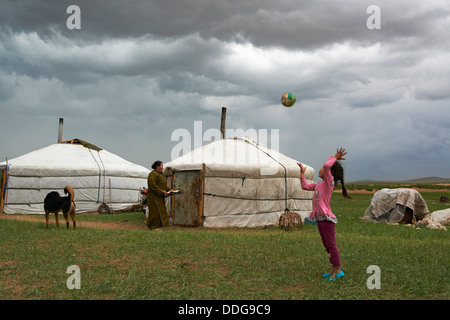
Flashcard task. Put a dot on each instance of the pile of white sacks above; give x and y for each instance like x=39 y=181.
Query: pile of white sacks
x=437 y=220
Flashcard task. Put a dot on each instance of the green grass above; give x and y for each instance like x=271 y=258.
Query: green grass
x=235 y=263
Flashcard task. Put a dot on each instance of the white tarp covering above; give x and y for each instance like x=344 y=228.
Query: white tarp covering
x=390 y=204
x=245 y=183
x=97 y=176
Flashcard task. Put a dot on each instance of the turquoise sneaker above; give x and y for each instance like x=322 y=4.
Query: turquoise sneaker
x=331 y=279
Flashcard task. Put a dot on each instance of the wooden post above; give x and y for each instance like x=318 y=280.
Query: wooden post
x=202 y=206
x=222 y=122
x=2 y=185
x=171 y=201
x=3 y=192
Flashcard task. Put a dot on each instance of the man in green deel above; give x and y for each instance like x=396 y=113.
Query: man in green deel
x=157 y=189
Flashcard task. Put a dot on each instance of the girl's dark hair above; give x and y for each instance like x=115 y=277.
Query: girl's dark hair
x=156 y=164
x=338 y=174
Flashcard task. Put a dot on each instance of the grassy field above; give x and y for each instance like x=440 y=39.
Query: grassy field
x=199 y=263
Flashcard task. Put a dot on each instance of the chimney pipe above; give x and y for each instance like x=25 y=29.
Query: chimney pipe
x=222 y=122
x=60 y=131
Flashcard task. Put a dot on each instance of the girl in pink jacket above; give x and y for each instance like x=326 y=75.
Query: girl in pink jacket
x=331 y=172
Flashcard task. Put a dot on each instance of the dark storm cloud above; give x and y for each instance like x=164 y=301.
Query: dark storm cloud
x=288 y=23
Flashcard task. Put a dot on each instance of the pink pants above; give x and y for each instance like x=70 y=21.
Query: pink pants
x=326 y=231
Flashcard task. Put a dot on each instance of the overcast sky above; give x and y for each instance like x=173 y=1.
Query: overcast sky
x=139 y=70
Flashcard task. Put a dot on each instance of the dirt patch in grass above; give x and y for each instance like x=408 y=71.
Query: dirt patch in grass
x=374 y=190
x=122 y=225
x=116 y=225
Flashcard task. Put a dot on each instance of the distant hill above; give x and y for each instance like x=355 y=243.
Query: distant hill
x=426 y=180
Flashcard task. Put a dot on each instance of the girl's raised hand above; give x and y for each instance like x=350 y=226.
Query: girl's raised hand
x=340 y=153
x=302 y=168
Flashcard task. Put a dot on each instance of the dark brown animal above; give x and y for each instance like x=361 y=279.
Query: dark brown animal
x=53 y=203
